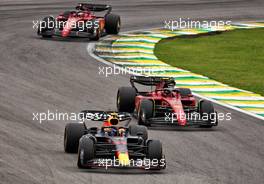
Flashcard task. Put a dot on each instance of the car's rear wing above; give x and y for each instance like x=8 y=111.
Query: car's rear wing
x=150 y=81
x=94 y=7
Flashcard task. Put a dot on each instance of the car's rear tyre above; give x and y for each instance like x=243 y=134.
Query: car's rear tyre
x=135 y=129
x=184 y=92
x=146 y=111
x=86 y=152
x=154 y=150
x=112 y=23
x=207 y=113
x=126 y=99
x=72 y=133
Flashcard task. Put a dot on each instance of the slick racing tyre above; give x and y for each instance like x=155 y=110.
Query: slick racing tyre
x=126 y=99
x=207 y=112
x=46 y=26
x=146 y=111
x=154 y=149
x=86 y=152
x=134 y=130
x=112 y=23
x=72 y=133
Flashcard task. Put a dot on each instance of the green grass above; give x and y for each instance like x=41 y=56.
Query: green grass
x=235 y=57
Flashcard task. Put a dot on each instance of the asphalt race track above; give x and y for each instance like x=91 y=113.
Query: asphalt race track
x=38 y=74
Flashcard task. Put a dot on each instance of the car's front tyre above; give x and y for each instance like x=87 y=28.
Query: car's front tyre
x=86 y=152
x=135 y=130
x=72 y=133
x=207 y=113
x=46 y=27
x=146 y=111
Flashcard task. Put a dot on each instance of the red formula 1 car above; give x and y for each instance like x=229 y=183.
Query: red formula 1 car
x=81 y=23
x=166 y=104
x=112 y=145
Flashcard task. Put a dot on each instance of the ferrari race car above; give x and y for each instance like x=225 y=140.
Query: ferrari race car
x=112 y=145
x=166 y=104
x=81 y=23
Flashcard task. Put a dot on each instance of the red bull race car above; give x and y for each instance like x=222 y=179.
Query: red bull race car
x=112 y=145
x=166 y=104
x=81 y=22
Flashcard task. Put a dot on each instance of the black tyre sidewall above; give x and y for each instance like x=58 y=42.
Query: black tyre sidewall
x=126 y=99
x=73 y=132
x=154 y=150
x=45 y=21
x=146 y=110
x=111 y=23
x=87 y=148
x=135 y=129
x=207 y=107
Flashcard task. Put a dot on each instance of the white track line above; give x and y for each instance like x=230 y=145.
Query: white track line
x=91 y=49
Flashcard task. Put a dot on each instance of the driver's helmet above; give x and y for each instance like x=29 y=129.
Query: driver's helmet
x=81 y=14
x=166 y=92
x=112 y=120
x=171 y=84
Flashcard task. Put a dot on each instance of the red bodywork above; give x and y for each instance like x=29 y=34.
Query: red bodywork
x=75 y=17
x=173 y=100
